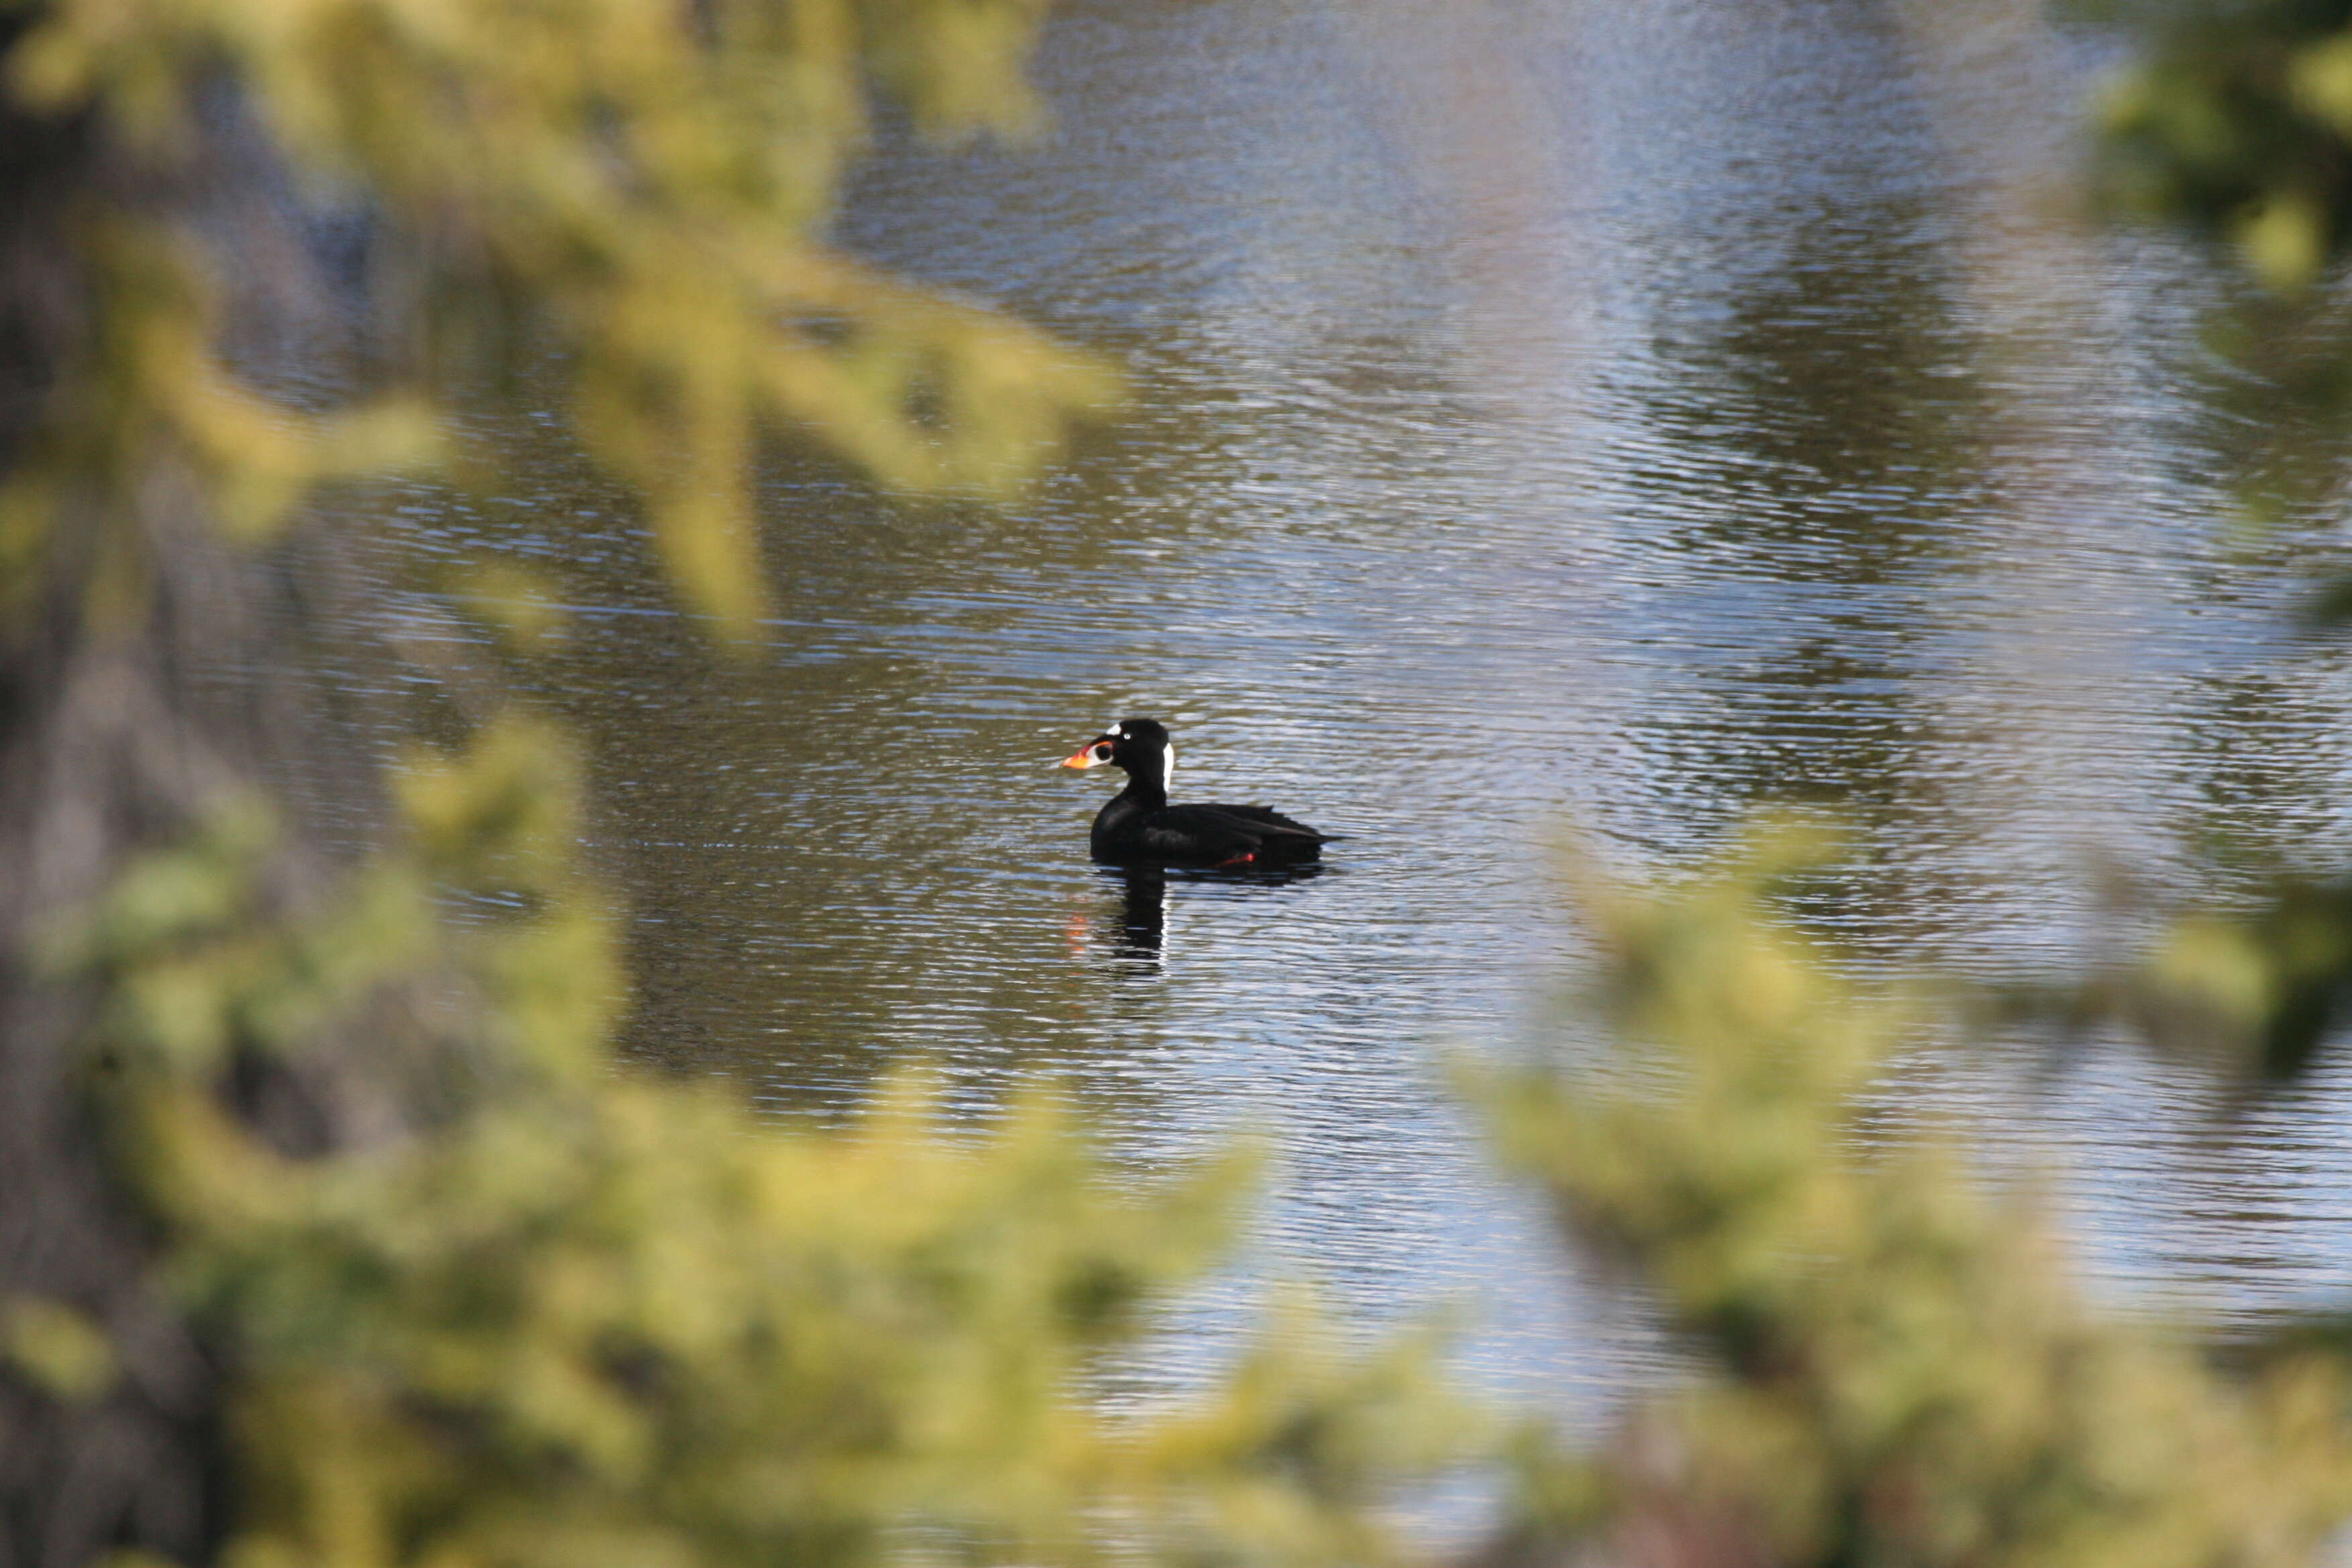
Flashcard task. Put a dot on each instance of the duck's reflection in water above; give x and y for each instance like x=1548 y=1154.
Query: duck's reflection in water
x=1129 y=930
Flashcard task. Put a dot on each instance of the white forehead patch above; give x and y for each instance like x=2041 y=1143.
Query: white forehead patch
x=1116 y=729
x=1168 y=771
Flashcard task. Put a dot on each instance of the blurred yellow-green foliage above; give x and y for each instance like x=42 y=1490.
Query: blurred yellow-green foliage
x=589 y=1318
x=641 y=186
x=1890 y=1363
x=2236 y=120
x=2233 y=121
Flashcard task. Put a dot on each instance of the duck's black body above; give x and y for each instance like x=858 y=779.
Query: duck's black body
x=1138 y=827
x=1131 y=831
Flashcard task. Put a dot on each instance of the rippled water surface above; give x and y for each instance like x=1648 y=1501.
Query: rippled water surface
x=1544 y=414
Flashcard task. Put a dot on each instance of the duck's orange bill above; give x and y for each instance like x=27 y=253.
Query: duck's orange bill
x=1084 y=757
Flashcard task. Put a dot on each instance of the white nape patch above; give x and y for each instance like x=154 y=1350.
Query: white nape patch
x=1168 y=768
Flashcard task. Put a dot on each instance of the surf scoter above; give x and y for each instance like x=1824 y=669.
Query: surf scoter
x=1138 y=827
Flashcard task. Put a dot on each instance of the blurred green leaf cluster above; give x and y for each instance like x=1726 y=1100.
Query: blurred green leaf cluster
x=591 y=1318
x=1890 y=1363
x=2257 y=992
x=2236 y=120
x=638 y=187
x=2233 y=119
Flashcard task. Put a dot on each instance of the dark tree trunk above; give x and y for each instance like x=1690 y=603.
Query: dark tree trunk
x=117 y=732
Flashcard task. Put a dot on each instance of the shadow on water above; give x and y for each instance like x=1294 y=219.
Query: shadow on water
x=1127 y=932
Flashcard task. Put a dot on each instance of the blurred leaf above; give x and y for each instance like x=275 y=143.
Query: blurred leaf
x=2331 y=604
x=58 y=1348
x=2232 y=121
x=2262 y=989
x=517 y=605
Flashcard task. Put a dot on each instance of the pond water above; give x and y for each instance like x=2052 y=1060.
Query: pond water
x=1547 y=417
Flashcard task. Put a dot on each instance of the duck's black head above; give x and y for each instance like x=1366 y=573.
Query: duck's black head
x=1138 y=746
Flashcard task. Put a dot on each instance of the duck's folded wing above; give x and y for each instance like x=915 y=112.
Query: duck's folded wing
x=1268 y=822
x=1204 y=833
